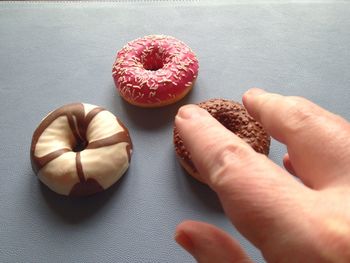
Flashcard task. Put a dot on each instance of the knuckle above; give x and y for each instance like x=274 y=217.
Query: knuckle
x=221 y=177
x=232 y=152
x=229 y=159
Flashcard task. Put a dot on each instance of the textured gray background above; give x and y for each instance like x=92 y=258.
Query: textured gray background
x=55 y=53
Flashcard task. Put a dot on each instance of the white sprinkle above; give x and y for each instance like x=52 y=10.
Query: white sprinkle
x=155 y=87
x=188 y=84
x=151 y=94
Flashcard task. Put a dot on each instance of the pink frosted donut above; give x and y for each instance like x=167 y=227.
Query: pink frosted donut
x=155 y=71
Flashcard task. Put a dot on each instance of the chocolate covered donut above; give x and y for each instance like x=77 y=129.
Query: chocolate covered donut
x=80 y=149
x=235 y=118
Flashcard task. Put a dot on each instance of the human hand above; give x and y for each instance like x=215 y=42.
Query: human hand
x=287 y=219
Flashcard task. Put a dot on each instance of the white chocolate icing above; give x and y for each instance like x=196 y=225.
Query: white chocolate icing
x=88 y=108
x=57 y=136
x=60 y=174
x=112 y=163
x=103 y=126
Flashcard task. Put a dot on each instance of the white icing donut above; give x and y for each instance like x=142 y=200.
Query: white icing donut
x=80 y=149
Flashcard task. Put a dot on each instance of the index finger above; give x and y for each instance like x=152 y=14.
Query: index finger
x=317 y=140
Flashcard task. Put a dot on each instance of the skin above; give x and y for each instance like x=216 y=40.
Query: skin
x=289 y=220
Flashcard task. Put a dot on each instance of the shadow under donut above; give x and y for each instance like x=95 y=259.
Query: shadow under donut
x=198 y=190
x=77 y=209
x=204 y=193
x=151 y=118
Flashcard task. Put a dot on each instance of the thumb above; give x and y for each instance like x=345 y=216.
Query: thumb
x=207 y=243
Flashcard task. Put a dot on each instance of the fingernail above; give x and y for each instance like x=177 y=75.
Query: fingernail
x=254 y=92
x=184 y=241
x=189 y=112
x=250 y=94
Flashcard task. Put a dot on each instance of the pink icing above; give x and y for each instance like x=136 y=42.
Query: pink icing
x=154 y=69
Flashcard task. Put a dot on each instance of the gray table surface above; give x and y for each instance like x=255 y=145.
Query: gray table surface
x=56 y=53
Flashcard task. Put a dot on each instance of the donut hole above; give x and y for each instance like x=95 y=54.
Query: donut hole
x=152 y=60
x=79 y=145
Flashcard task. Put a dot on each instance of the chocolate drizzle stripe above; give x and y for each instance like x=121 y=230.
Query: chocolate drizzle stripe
x=129 y=146
x=79 y=166
x=40 y=162
x=73 y=126
x=126 y=130
x=91 y=115
x=111 y=140
x=90 y=186
x=76 y=109
x=82 y=128
x=128 y=151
